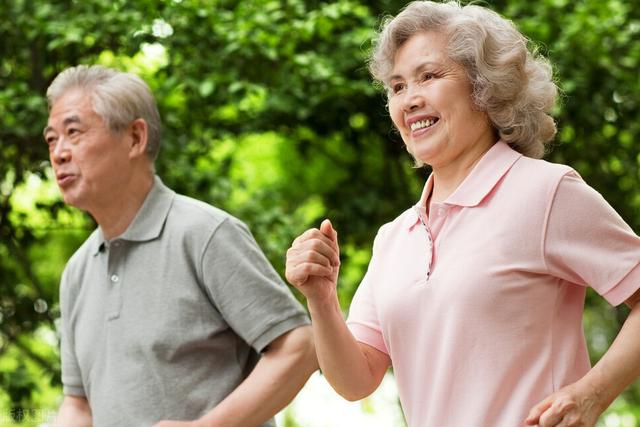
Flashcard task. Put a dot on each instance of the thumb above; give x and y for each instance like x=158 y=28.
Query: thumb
x=327 y=229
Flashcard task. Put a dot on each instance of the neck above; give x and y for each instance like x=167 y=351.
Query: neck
x=446 y=179
x=117 y=214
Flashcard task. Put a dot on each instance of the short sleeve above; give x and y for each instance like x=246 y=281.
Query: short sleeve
x=71 y=377
x=246 y=289
x=363 y=320
x=589 y=244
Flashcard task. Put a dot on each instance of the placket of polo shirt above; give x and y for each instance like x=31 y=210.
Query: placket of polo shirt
x=436 y=221
x=425 y=227
x=114 y=279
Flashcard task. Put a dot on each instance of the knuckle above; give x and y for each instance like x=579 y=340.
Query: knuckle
x=567 y=404
x=316 y=245
x=312 y=232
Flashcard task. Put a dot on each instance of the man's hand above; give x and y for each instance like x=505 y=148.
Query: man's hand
x=576 y=405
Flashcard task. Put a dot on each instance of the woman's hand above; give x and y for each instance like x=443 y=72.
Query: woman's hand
x=576 y=405
x=313 y=262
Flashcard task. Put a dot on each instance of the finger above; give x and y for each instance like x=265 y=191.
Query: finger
x=566 y=421
x=308 y=234
x=553 y=416
x=299 y=274
x=334 y=237
x=312 y=237
x=316 y=270
x=534 y=414
x=327 y=228
x=311 y=234
x=299 y=256
x=322 y=245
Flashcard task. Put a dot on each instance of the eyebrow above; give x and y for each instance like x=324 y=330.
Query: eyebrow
x=417 y=69
x=65 y=123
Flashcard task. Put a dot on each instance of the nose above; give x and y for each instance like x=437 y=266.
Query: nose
x=413 y=99
x=60 y=153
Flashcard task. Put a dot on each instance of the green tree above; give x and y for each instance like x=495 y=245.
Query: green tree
x=269 y=113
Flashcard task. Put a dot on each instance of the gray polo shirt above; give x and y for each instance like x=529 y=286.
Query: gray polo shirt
x=167 y=319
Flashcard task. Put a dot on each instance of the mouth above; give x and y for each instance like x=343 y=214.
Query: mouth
x=423 y=124
x=65 y=179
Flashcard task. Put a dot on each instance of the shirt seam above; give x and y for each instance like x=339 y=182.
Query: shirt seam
x=208 y=292
x=543 y=241
x=279 y=328
x=545 y=225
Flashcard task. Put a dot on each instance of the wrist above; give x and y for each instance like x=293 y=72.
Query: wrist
x=328 y=305
x=602 y=393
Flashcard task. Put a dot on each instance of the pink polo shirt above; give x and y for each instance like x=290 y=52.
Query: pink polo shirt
x=480 y=304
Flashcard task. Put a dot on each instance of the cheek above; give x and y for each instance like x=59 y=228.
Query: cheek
x=397 y=117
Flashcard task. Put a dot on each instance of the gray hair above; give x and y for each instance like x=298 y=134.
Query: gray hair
x=511 y=83
x=118 y=97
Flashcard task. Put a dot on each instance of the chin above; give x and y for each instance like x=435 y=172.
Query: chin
x=72 y=200
x=424 y=157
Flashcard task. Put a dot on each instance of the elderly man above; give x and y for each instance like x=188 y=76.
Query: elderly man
x=170 y=311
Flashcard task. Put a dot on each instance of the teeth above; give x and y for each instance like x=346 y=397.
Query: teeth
x=422 y=124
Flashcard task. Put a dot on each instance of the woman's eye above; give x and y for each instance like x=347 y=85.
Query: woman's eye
x=397 y=87
x=427 y=76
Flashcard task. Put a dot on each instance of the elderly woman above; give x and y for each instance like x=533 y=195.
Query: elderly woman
x=475 y=295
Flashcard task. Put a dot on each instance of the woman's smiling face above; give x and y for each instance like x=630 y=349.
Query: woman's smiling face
x=431 y=105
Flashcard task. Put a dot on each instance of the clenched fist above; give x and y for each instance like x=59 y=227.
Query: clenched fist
x=313 y=262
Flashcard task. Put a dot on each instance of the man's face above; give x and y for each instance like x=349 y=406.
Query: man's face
x=90 y=162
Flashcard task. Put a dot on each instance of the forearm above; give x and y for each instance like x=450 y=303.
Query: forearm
x=279 y=375
x=74 y=412
x=353 y=369
x=342 y=359
x=620 y=365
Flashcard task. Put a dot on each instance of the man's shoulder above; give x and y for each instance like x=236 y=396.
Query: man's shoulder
x=189 y=216
x=186 y=205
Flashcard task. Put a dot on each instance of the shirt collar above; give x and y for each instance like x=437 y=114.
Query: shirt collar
x=150 y=219
x=477 y=185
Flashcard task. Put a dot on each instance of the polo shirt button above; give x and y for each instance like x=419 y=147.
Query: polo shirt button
x=114 y=278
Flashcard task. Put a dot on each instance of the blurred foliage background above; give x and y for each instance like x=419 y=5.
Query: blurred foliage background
x=269 y=113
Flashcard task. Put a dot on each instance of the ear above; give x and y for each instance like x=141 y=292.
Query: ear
x=138 y=133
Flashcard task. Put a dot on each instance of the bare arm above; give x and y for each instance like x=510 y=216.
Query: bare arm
x=74 y=412
x=353 y=369
x=582 y=402
x=280 y=373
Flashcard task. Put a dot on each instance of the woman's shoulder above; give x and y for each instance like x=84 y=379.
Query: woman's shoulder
x=404 y=221
x=543 y=168
x=528 y=175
